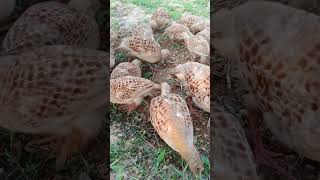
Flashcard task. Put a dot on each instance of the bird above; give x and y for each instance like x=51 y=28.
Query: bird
x=6 y=8
x=175 y=30
x=198 y=46
x=54 y=23
x=127 y=69
x=171 y=119
x=142 y=30
x=194 y=23
x=277 y=51
x=232 y=156
x=159 y=19
x=165 y=53
x=144 y=48
x=56 y=90
x=196 y=78
x=205 y=33
x=130 y=90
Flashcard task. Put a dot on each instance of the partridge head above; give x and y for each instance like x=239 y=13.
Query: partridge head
x=53 y=23
x=169 y=115
x=196 y=77
x=277 y=50
x=127 y=69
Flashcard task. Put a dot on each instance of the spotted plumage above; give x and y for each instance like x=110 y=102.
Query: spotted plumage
x=232 y=156
x=175 y=31
x=196 y=77
x=52 y=23
x=194 y=23
x=127 y=69
x=54 y=90
x=169 y=115
x=130 y=89
x=198 y=46
x=146 y=49
x=277 y=51
x=159 y=19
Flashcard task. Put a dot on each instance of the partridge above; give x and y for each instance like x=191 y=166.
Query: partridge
x=277 y=48
x=232 y=157
x=176 y=30
x=194 y=23
x=54 y=23
x=205 y=33
x=196 y=77
x=54 y=90
x=159 y=19
x=144 y=48
x=127 y=69
x=169 y=115
x=6 y=8
x=142 y=30
x=198 y=46
x=131 y=90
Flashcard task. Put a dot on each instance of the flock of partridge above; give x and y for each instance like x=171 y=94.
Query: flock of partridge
x=169 y=113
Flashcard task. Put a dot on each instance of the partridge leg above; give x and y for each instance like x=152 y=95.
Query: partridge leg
x=132 y=107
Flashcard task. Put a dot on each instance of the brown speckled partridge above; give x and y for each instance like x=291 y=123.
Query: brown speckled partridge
x=131 y=90
x=196 y=77
x=198 y=46
x=54 y=23
x=55 y=90
x=169 y=115
x=278 y=51
x=144 y=48
x=159 y=19
x=194 y=23
x=175 y=31
x=127 y=69
x=232 y=156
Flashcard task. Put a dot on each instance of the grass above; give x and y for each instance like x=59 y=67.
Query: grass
x=138 y=152
x=175 y=7
x=135 y=156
